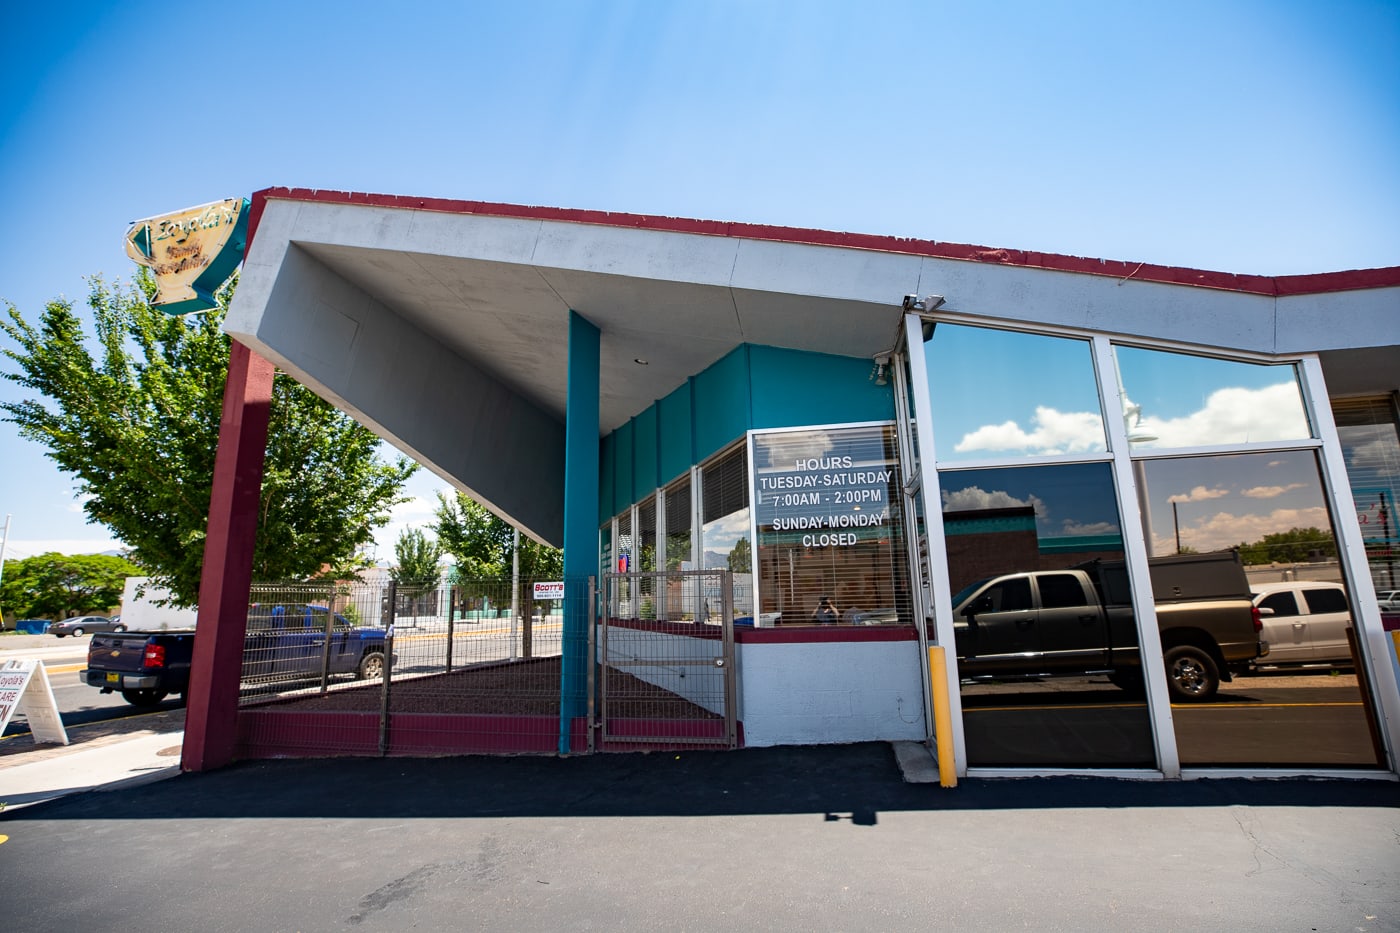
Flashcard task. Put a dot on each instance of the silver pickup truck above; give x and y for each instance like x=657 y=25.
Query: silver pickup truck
x=1079 y=621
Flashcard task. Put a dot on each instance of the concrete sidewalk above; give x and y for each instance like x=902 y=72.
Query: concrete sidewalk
x=59 y=771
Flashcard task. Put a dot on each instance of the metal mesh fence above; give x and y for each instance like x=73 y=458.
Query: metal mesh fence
x=445 y=669
x=402 y=670
x=306 y=636
x=667 y=682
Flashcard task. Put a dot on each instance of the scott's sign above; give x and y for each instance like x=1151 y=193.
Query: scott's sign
x=191 y=252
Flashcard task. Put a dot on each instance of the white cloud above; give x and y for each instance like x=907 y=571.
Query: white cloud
x=1233 y=415
x=417 y=512
x=972 y=498
x=20 y=548
x=723 y=533
x=1225 y=529
x=1072 y=527
x=805 y=445
x=1378 y=454
x=1054 y=432
x=1198 y=494
x=1271 y=492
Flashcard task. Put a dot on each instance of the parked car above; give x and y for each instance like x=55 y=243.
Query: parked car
x=1304 y=622
x=1080 y=621
x=81 y=625
x=283 y=643
x=1389 y=600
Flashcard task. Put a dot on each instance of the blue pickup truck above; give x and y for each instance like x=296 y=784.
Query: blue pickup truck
x=297 y=642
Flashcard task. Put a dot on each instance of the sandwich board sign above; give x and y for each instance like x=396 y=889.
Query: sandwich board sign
x=24 y=687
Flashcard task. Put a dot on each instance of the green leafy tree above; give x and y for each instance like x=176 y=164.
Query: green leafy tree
x=741 y=557
x=57 y=586
x=137 y=423
x=1292 y=546
x=418 y=559
x=482 y=544
x=477 y=540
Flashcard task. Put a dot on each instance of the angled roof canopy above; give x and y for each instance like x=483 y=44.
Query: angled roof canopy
x=443 y=324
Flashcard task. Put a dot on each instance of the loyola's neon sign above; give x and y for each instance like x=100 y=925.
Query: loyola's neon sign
x=191 y=252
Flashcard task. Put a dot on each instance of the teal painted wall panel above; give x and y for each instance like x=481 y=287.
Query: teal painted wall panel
x=607 y=496
x=792 y=388
x=721 y=402
x=622 y=467
x=750 y=387
x=644 y=454
x=674 y=429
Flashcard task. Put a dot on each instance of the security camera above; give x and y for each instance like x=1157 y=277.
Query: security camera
x=911 y=302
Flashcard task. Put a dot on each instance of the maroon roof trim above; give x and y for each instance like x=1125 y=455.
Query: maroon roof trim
x=1277 y=286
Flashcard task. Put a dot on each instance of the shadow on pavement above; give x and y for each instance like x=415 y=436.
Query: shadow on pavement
x=849 y=782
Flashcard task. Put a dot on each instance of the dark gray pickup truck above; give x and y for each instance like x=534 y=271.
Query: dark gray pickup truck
x=282 y=643
x=1080 y=621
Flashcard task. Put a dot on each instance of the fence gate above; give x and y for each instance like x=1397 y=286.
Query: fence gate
x=665 y=661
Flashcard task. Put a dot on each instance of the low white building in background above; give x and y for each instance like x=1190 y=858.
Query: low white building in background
x=147 y=607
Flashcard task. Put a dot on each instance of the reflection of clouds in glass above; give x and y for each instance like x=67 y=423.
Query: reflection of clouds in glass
x=1378 y=454
x=1199 y=494
x=722 y=534
x=973 y=498
x=1070 y=527
x=1225 y=529
x=1231 y=415
x=1054 y=432
x=1271 y=492
x=802 y=445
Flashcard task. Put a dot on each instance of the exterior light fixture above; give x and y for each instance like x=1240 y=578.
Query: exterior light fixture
x=926 y=303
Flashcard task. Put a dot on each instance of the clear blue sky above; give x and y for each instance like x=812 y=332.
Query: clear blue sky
x=1259 y=137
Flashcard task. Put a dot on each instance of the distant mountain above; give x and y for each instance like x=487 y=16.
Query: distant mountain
x=716 y=561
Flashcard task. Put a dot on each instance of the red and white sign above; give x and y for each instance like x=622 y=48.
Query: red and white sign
x=552 y=590
x=24 y=685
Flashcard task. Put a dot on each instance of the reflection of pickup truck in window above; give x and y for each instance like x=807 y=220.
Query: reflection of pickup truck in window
x=1080 y=621
x=282 y=643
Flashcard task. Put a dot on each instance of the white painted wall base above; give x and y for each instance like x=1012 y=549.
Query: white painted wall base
x=830 y=693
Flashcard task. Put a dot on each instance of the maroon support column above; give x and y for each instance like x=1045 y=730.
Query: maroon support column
x=211 y=718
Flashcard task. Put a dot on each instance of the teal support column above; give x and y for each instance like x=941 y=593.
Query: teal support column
x=580 y=519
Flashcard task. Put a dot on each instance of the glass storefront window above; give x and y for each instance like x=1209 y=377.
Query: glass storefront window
x=830 y=529
x=1370 y=443
x=1043 y=622
x=724 y=536
x=1003 y=394
x=646 y=556
x=679 y=511
x=1301 y=703
x=1178 y=400
x=678 y=519
x=605 y=548
x=625 y=563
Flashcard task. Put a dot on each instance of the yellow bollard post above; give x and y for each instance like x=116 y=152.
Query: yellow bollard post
x=942 y=717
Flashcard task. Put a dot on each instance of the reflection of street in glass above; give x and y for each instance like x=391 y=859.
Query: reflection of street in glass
x=1279 y=719
x=1269 y=719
